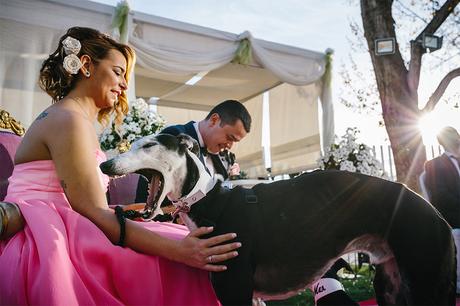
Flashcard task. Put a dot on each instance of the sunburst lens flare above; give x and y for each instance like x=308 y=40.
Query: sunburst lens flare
x=430 y=125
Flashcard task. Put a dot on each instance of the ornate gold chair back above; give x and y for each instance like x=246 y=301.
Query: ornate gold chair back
x=7 y=122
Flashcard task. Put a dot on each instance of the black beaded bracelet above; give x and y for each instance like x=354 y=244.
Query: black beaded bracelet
x=4 y=222
x=121 y=219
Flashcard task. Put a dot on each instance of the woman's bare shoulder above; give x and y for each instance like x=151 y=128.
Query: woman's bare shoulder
x=60 y=114
x=53 y=128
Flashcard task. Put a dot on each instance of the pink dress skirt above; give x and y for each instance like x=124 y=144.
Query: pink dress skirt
x=62 y=258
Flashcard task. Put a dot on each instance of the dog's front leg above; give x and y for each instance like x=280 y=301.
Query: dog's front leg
x=235 y=286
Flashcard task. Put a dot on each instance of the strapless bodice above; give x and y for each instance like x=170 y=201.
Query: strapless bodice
x=41 y=176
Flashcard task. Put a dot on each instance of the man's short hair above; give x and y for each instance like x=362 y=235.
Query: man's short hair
x=230 y=111
x=448 y=137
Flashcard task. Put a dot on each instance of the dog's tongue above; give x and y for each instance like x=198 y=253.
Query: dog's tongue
x=153 y=191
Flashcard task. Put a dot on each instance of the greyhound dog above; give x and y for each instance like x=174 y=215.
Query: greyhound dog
x=292 y=231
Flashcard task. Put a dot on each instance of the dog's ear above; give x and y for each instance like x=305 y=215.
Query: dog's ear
x=188 y=142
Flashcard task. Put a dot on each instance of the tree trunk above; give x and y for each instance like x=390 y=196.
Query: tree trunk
x=406 y=143
x=399 y=100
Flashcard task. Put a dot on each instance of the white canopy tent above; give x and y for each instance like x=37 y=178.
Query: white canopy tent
x=169 y=55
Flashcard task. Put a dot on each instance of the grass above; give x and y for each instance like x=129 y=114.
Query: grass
x=358 y=286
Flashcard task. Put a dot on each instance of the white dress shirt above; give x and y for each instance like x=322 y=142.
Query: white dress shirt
x=207 y=158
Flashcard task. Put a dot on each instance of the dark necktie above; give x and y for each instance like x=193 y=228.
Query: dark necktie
x=203 y=151
x=203 y=154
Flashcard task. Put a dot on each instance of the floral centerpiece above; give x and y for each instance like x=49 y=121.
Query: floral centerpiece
x=140 y=121
x=348 y=155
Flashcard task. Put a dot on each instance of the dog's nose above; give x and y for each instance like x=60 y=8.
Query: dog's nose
x=106 y=167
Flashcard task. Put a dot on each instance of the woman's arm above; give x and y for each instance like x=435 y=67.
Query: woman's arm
x=72 y=148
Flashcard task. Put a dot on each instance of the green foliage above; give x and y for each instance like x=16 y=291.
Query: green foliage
x=243 y=54
x=327 y=76
x=120 y=20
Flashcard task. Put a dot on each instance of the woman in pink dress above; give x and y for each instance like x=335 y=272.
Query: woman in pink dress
x=69 y=251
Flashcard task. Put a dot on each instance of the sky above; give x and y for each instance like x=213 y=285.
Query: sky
x=309 y=24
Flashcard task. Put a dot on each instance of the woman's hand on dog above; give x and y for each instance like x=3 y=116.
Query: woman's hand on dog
x=206 y=253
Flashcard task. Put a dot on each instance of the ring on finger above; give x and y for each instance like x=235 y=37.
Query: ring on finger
x=210 y=259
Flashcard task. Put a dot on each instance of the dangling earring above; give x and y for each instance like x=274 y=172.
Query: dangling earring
x=87 y=73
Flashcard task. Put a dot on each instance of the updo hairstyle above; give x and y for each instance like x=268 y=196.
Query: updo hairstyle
x=57 y=82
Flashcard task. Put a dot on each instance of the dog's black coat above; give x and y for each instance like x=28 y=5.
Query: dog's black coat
x=292 y=231
x=288 y=233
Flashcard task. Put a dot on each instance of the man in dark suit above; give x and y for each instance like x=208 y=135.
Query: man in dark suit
x=226 y=123
x=442 y=182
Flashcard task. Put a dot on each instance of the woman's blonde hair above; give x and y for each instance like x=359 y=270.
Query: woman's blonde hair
x=57 y=82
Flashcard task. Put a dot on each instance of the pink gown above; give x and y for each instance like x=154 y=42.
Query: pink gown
x=62 y=258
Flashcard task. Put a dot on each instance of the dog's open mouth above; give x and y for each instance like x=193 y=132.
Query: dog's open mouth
x=156 y=185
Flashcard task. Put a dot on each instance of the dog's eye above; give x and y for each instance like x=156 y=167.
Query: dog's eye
x=148 y=145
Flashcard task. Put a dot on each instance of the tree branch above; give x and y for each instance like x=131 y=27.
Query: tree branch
x=439 y=17
x=417 y=51
x=436 y=96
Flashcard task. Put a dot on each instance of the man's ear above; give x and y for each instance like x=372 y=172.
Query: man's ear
x=187 y=142
x=214 y=119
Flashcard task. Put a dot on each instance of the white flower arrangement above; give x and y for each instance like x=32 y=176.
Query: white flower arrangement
x=350 y=156
x=140 y=121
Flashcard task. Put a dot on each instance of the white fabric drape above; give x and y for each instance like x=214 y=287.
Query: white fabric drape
x=327 y=108
x=249 y=154
x=19 y=91
x=295 y=140
x=302 y=68
x=157 y=57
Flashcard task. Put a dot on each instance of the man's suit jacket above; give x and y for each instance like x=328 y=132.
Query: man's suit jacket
x=443 y=185
x=189 y=129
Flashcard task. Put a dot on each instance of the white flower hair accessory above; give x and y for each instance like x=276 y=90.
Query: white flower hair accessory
x=71 y=45
x=72 y=63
